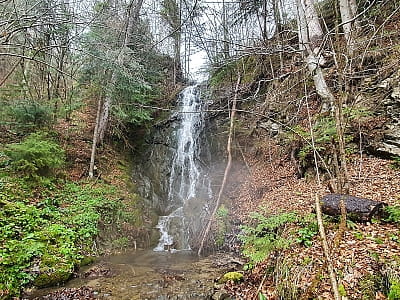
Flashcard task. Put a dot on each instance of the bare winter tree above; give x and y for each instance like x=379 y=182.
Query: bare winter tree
x=37 y=40
x=171 y=13
x=103 y=115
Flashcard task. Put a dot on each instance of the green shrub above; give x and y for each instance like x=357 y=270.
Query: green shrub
x=30 y=113
x=394 y=292
x=393 y=213
x=396 y=163
x=120 y=243
x=265 y=235
x=309 y=228
x=306 y=235
x=36 y=156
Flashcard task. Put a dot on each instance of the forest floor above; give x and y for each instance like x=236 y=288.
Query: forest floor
x=366 y=254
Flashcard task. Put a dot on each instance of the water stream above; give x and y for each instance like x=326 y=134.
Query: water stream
x=189 y=186
x=143 y=274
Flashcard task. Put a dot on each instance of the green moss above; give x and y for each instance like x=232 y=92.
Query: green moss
x=342 y=290
x=231 y=276
x=55 y=231
x=51 y=279
x=86 y=260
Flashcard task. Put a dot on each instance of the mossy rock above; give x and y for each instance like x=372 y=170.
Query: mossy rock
x=51 y=279
x=233 y=276
x=87 y=260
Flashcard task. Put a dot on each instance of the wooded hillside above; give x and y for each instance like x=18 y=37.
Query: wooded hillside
x=303 y=101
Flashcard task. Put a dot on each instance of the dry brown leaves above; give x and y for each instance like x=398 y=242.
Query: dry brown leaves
x=76 y=136
x=271 y=182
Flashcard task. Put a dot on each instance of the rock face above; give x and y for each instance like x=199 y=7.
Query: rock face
x=390 y=88
x=172 y=174
x=152 y=167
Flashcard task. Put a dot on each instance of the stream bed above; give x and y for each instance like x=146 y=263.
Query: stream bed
x=144 y=274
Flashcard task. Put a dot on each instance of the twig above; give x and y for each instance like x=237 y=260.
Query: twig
x=325 y=247
x=321 y=227
x=260 y=286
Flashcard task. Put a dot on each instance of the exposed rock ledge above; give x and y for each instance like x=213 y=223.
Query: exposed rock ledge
x=390 y=144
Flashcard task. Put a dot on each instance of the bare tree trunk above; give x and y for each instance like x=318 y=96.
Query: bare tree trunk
x=95 y=138
x=265 y=26
x=314 y=29
x=351 y=25
x=310 y=37
x=105 y=112
x=227 y=168
x=343 y=183
x=347 y=16
x=302 y=26
x=225 y=30
x=321 y=227
x=339 y=120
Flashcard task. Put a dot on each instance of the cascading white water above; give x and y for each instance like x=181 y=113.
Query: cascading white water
x=186 y=178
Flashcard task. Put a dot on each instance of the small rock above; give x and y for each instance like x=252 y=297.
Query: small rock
x=220 y=295
x=384 y=84
x=396 y=93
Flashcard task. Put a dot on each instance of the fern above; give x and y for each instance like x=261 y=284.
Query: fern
x=265 y=236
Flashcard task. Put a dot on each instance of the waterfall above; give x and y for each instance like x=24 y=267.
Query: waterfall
x=189 y=187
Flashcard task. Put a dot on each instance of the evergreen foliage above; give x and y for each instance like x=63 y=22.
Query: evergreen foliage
x=37 y=155
x=30 y=113
x=131 y=75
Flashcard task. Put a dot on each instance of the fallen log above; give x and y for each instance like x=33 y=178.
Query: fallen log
x=358 y=209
